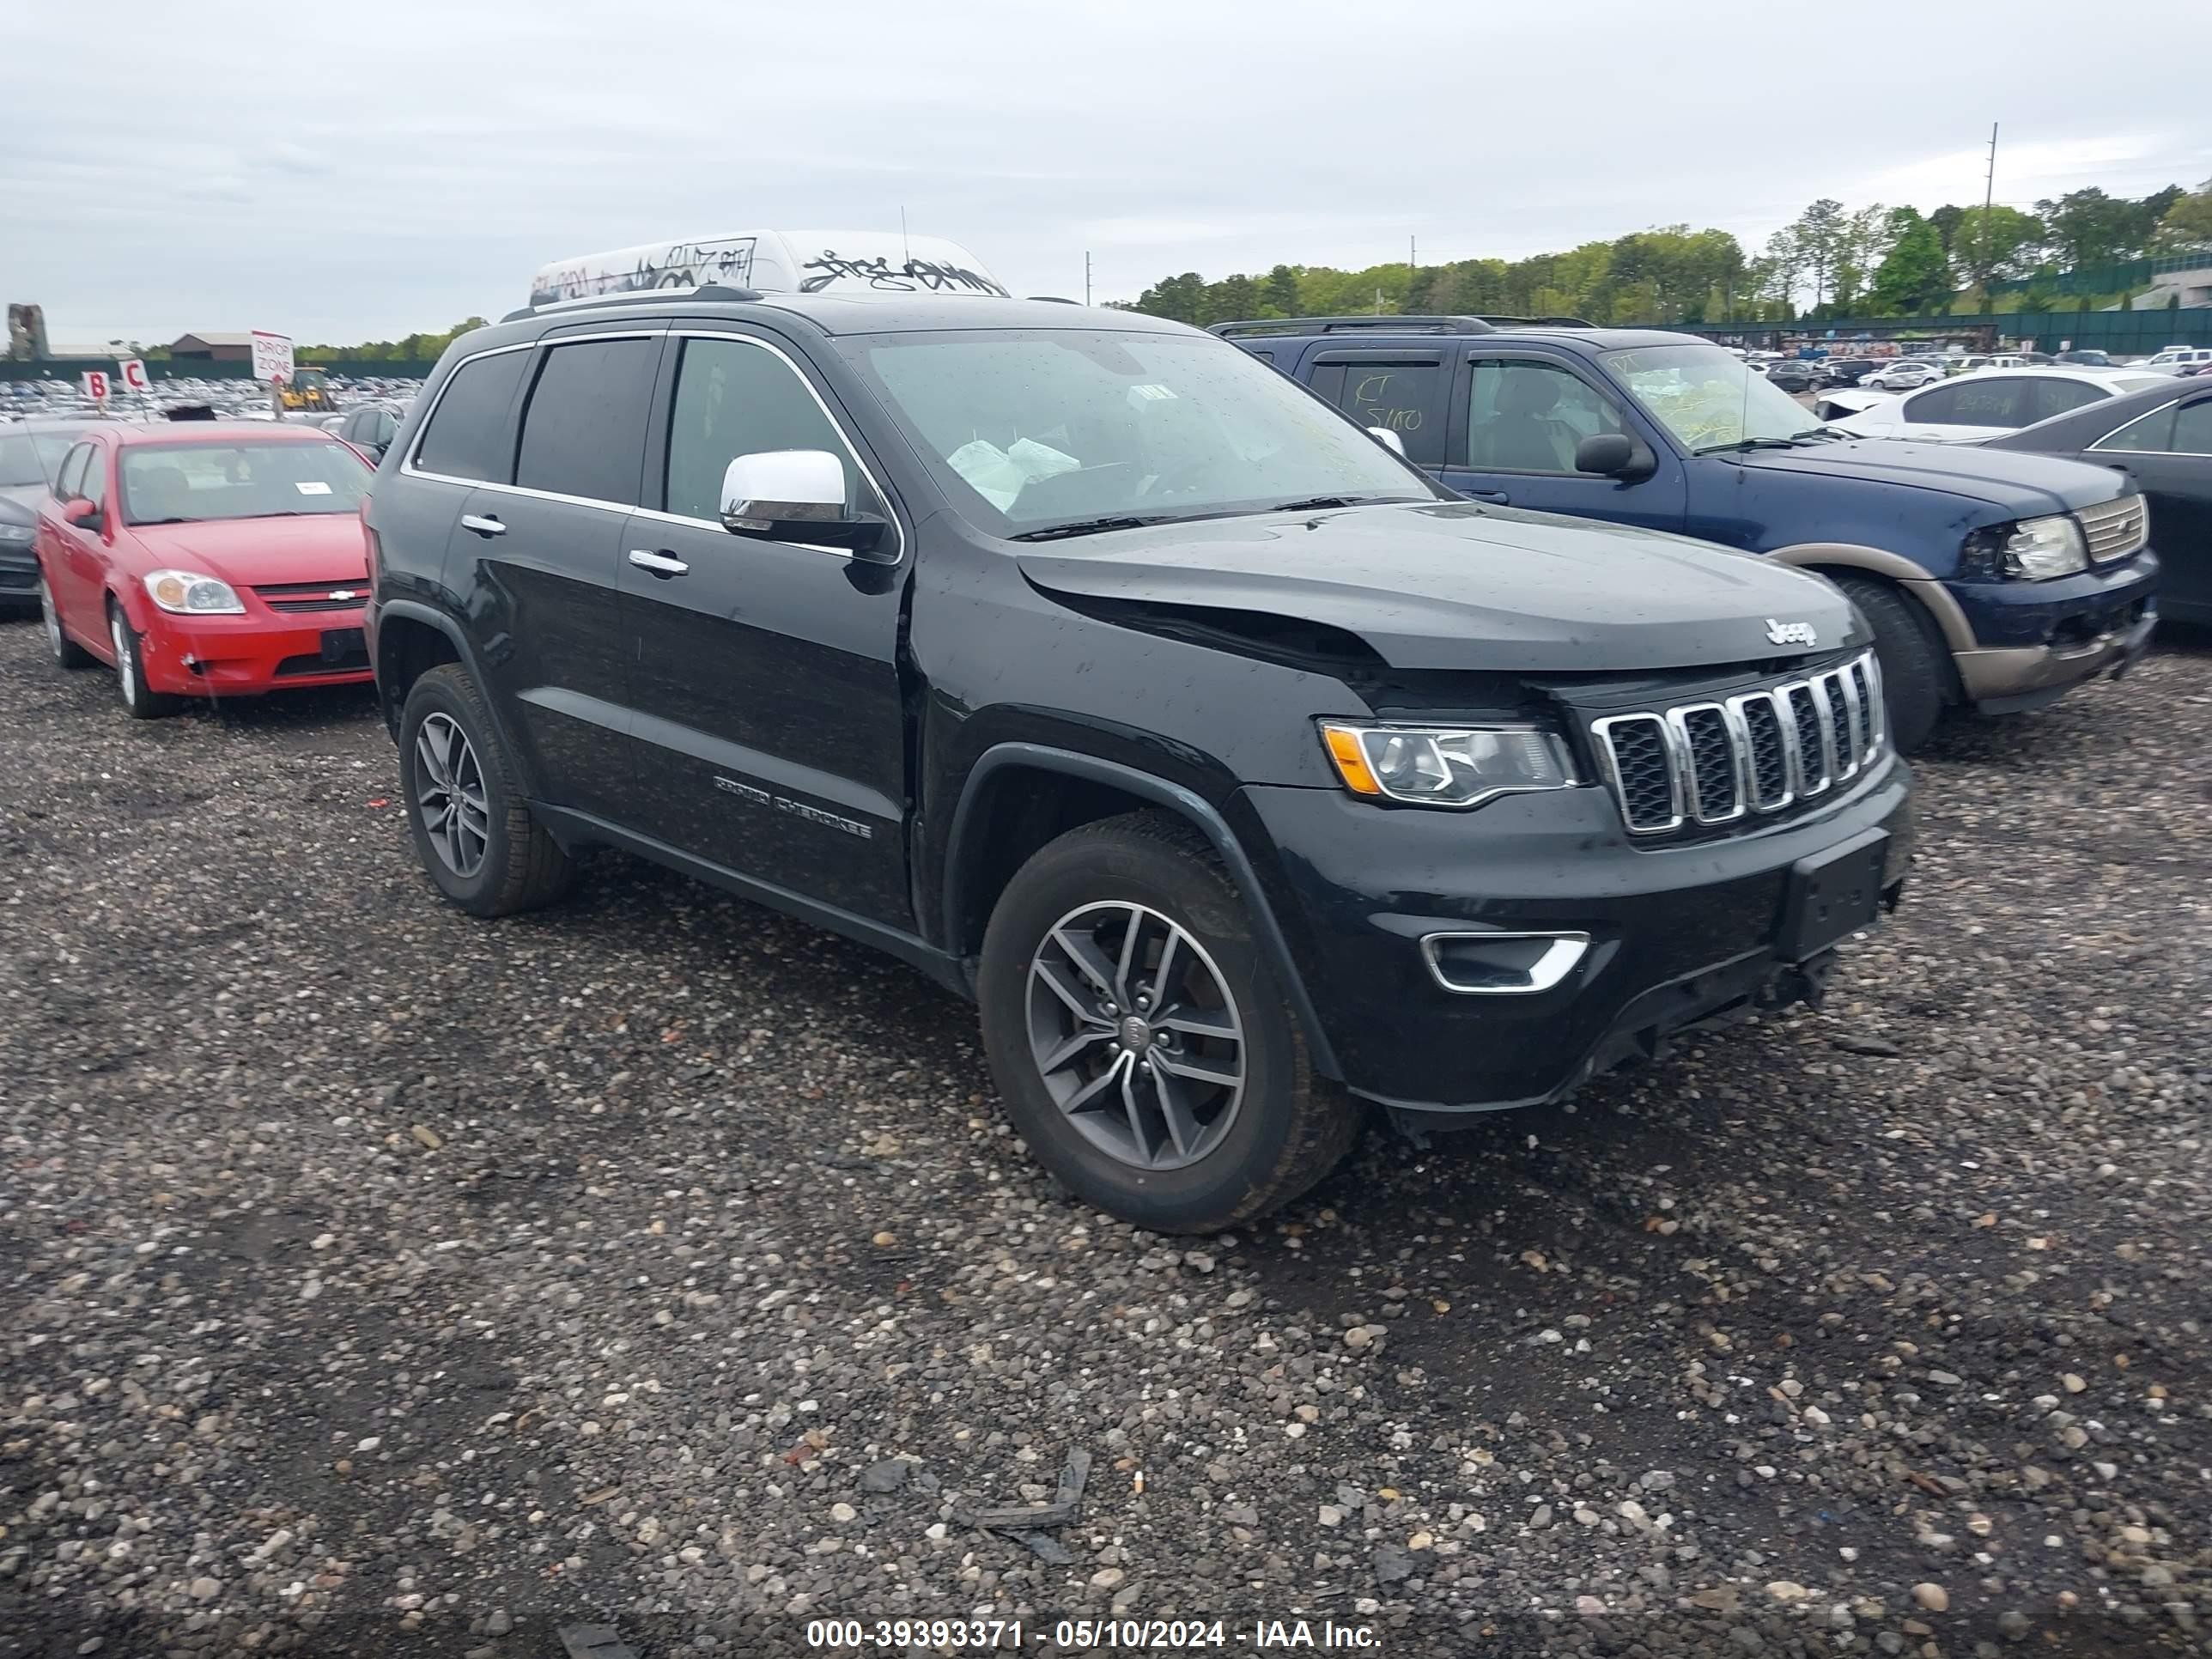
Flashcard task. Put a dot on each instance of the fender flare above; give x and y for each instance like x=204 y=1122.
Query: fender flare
x=1933 y=597
x=1176 y=797
x=414 y=610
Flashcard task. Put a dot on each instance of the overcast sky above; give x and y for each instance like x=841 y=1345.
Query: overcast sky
x=341 y=172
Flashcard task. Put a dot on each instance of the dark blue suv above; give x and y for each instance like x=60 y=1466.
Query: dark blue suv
x=1991 y=579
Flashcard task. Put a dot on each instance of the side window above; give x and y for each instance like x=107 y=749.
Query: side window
x=2151 y=433
x=465 y=437
x=95 y=475
x=2192 y=428
x=583 y=433
x=69 y=481
x=1527 y=417
x=386 y=428
x=2061 y=396
x=1400 y=397
x=1327 y=381
x=1997 y=402
x=734 y=399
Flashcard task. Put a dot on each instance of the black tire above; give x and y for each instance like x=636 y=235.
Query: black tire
x=130 y=670
x=519 y=866
x=66 y=653
x=1289 y=1128
x=1916 y=667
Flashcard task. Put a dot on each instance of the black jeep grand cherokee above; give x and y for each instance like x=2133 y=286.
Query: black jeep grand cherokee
x=1237 y=771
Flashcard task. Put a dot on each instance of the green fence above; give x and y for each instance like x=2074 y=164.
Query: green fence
x=2108 y=279
x=188 y=368
x=2123 y=333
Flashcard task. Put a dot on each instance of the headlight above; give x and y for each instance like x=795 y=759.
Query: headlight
x=1446 y=766
x=14 y=532
x=189 y=594
x=2030 y=551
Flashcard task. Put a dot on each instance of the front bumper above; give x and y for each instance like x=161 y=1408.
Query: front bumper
x=19 y=574
x=1679 y=934
x=247 y=655
x=2035 y=639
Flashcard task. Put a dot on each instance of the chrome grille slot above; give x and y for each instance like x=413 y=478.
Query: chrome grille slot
x=1708 y=749
x=1639 y=762
x=1762 y=715
x=1758 y=753
x=2113 y=529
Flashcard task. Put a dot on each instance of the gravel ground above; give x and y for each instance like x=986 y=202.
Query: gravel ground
x=380 y=1281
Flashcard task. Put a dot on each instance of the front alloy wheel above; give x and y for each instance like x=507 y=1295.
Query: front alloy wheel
x=1135 y=1034
x=449 y=789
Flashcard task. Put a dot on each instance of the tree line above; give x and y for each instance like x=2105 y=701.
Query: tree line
x=1830 y=261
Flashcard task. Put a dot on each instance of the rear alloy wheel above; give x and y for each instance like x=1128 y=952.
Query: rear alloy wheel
x=66 y=653
x=130 y=670
x=465 y=807
x=1140 y=1039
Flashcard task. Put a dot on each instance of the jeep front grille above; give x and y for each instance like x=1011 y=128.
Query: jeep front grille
x=2113 y=529
x=1754 y=753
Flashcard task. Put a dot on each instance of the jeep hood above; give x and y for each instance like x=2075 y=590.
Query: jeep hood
x=2024 y=486
x=1460 y=585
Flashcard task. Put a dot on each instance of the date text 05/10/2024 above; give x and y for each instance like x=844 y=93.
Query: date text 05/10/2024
x=1092 y=1635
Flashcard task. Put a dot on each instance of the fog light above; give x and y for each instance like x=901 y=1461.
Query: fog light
x=1502 y=964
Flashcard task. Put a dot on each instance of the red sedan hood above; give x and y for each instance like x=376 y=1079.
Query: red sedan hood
x=323 y=547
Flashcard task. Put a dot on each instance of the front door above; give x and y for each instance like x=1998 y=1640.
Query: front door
x=770 y=739
x=1516 y=420
x=84 y=551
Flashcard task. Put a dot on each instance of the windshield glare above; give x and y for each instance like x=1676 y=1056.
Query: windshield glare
x=1033 y=430
x=1707 y=397
x=191 y=483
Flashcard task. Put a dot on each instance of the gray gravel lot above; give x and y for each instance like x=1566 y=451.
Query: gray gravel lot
x=381 y=1281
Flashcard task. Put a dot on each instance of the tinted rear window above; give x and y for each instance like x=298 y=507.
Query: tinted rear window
x=465 y=437
x=583 y=431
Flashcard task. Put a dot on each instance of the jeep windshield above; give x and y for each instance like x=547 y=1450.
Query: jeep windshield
x=1708 y=399
x=1041 y=434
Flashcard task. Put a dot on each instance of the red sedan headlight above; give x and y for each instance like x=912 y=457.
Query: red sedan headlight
x=189 y=594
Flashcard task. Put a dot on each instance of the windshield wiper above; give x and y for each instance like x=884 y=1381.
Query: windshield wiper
x=147 y=521
x=1317 y=503
x=1053 y=532
x=1825 y=432
x=1746 y=443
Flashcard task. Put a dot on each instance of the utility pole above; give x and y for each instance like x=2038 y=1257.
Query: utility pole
x=1413 y=254
x=1989 y=197
x=1086 y=276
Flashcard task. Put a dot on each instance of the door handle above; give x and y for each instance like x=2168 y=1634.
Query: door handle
x=1497 y=497
x=483 y=525
x=659 y=563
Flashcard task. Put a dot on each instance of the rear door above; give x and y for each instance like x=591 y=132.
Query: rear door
x=770 y=731
x=2168 y=454
x=1516 y=419
x=546 y=548
x=1966 y=410
x=1400 y=389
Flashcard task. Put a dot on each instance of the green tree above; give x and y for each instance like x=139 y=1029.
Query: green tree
x=2090 y=228
x=2188 y=222
x=1818 y=233
x=1914 y=277
x=1947 y=220
x=1998 y=242
x=1860 y=245
x=1281 y=298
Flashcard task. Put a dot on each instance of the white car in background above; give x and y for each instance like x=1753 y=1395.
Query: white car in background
x=1903 y=375
x=1968 y=408
x=2176 y=358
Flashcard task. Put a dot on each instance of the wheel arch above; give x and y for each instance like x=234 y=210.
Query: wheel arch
x=1018 y=796
x=413 y=638
x=1852 y=558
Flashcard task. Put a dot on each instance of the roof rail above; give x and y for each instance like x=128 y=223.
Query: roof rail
x=704 y=291
x=1352 y=324
x=1539 y=322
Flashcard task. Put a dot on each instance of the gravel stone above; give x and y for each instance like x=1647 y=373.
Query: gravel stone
x=278 y=1375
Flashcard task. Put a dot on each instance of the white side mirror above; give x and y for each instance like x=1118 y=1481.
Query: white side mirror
x=783 y=484
x=1389 y=440
x=795 y=495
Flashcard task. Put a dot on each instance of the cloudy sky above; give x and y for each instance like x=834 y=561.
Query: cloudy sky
x=341 y=172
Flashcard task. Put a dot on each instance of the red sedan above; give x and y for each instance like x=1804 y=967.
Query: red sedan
x=207 y=560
